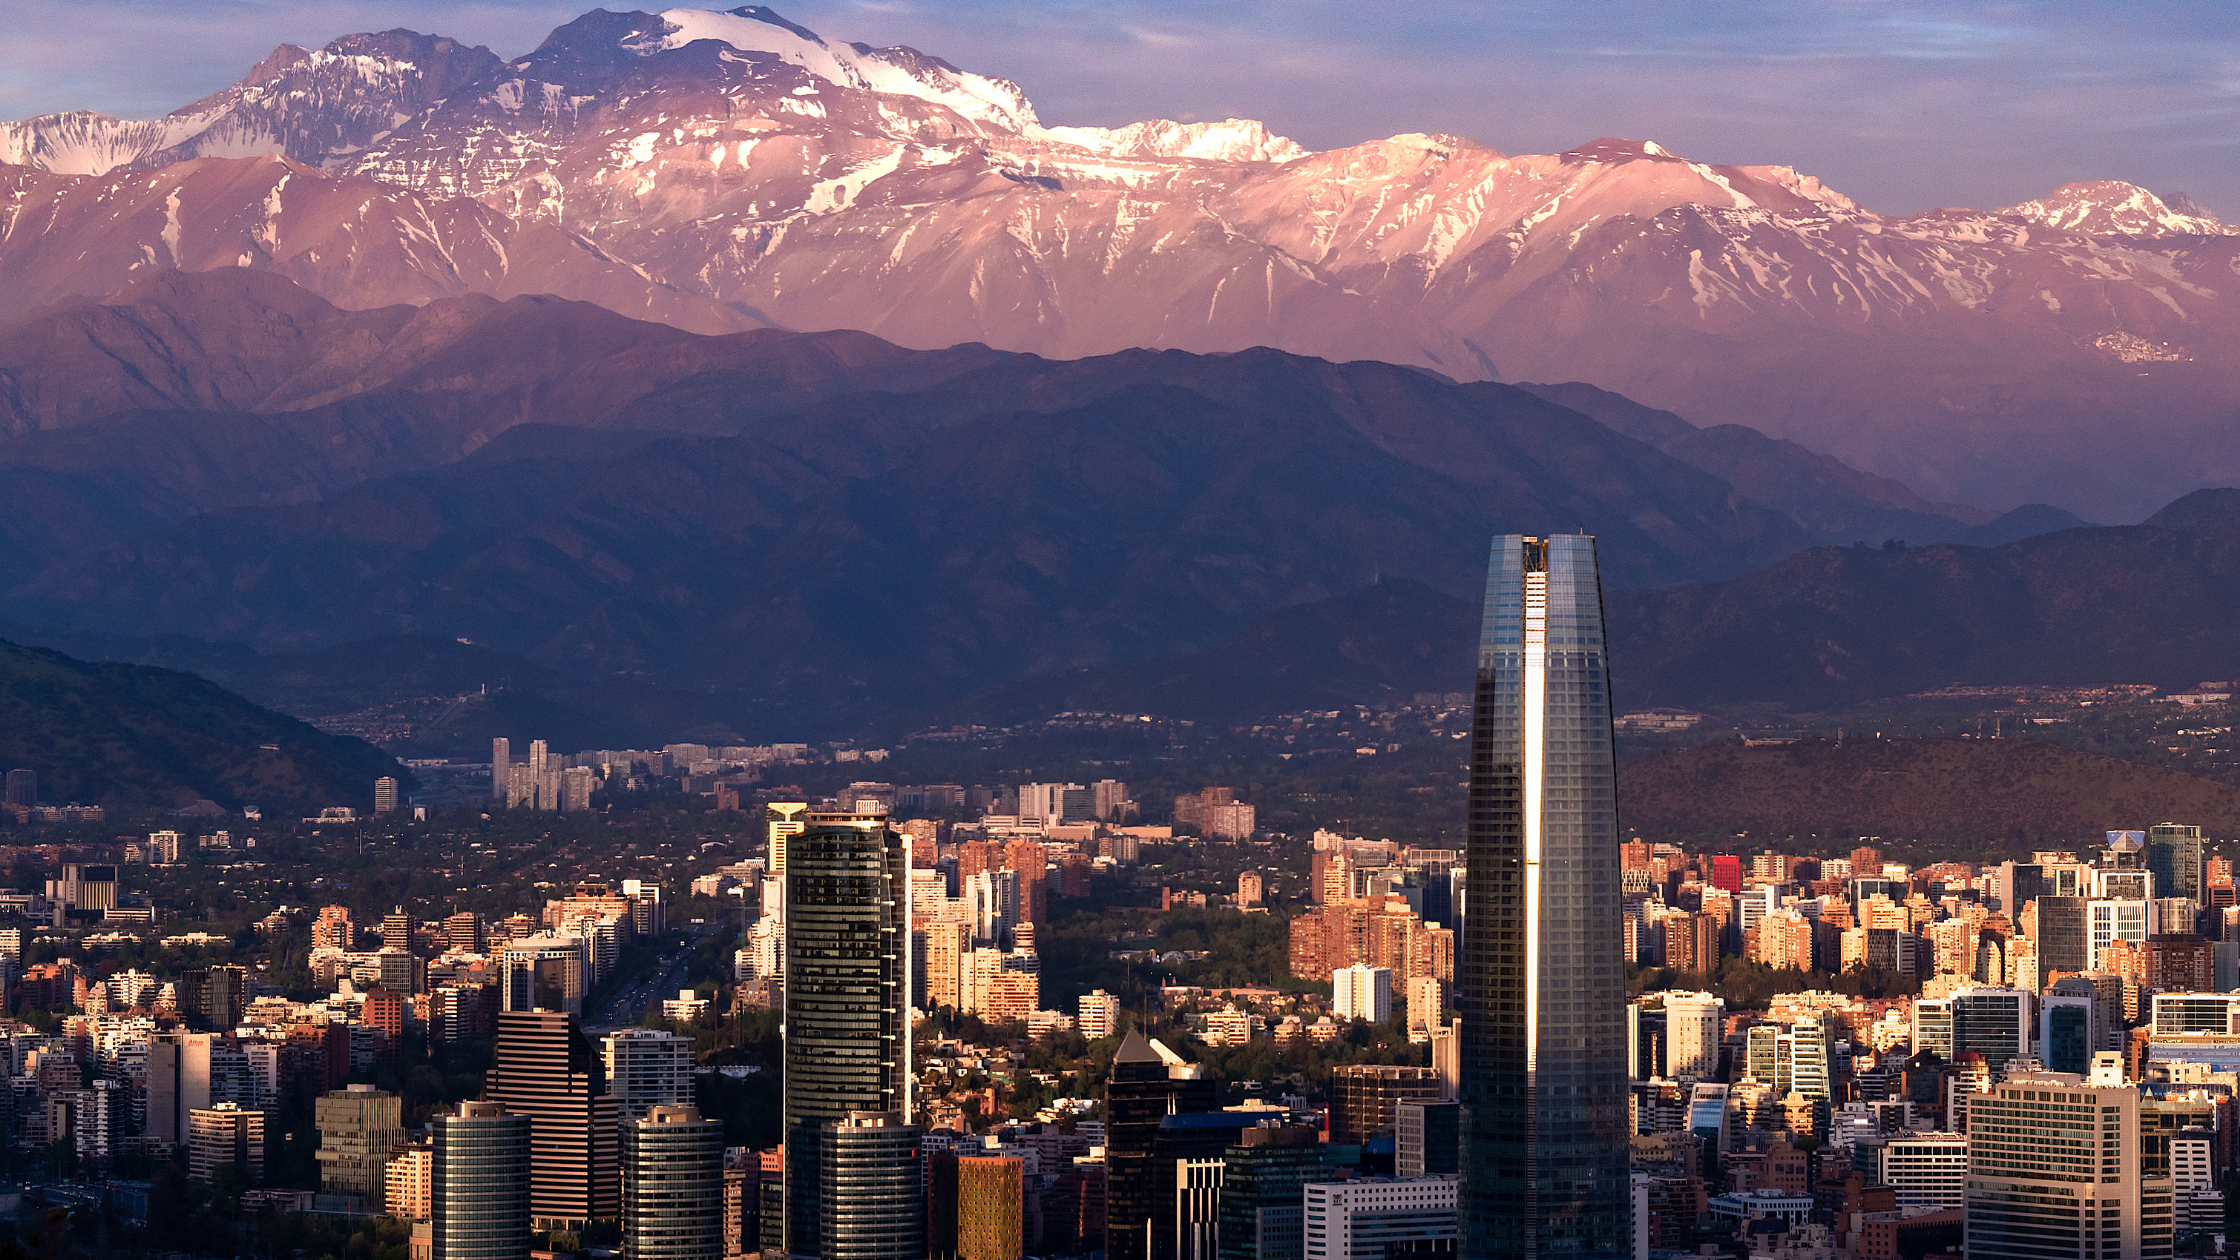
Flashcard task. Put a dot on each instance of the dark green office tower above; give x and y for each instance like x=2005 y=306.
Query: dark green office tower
x=1263 y=1207
x=2174 y=855
x=847 y=995
x=1147 y=1083
x=1542 y=973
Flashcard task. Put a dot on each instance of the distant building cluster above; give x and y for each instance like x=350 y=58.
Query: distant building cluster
x=2088 y=994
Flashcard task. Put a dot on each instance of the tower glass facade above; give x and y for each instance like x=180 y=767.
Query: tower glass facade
x=847 y=994
x=873 y=1200
x=1542 y=992
x=672 y=1185
x=479 y=1184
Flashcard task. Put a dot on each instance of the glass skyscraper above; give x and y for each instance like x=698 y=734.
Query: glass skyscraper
x=480 y=1178
x=847 y=995
x=1542 y=990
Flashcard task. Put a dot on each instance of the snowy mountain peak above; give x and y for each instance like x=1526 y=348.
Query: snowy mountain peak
x=1615 y=149
x=2111 y=207
x=894 y=71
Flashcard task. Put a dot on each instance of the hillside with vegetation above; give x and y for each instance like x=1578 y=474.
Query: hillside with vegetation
x=1994 y=795
x=124 y=736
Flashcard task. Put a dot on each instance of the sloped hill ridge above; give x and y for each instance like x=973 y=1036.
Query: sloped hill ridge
x=134 y=736
x=2004 y=795
x=723 y=171
x=2142 y=603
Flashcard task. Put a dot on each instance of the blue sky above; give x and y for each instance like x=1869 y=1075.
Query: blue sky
x=1903 y=104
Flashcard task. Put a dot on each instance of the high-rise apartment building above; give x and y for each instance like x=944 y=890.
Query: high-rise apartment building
x=385 y=795
x=501 y=769
x=672 y=1185
x=23 y=788
x=225 y=1133
x=1100 y=1014
x=548 y=1072
x=2055 y=1168
x=1361 y=992
x=1363 y=1097
x=465 y=930
x=871 y=1194
x=1542 y=984
x=479 y=1184
x=411 y=1180
x=847 y=998
x=358 y=1127
x=1694 y=1024
x=647 y=1068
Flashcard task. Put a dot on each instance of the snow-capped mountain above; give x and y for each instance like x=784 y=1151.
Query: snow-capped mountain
x=2110 y=207
x=724 y=170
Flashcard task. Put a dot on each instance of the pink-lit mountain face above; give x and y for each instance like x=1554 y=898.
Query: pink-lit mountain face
x=721 y=171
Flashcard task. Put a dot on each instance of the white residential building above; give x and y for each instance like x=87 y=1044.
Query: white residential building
x=1100 y=1014
x=647 y=1067
x=1362 y=992
x=1376 y=1217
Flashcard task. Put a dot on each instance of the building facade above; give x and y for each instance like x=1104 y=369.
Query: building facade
x=847 y=994
x=358 y=1127
x=2054 y=1168
x=479 y=1184
x=547 y=1072
x=1375 y=1218
x=1542 y=990
x=871 y=1196
x=672 y=1185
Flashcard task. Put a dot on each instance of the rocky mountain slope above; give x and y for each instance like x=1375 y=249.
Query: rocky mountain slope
x=2144 y=603
x=720 y=171
x=905 y=547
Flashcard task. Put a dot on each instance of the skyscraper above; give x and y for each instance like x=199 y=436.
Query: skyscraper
x=672 y=1185
x=1148 y=1083
x=501 y=769
x=872 y=1197
x=2174 y=855
x=847 y=994
x=479 y=1177
x=548 y=1072
x=1542 y=989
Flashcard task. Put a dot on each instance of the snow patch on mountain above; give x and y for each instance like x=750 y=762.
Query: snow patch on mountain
x=895 y=71
x=85 y=143
x=1230 y=140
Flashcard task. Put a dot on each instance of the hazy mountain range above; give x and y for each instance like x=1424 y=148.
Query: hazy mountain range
x=722 y=172
x=825 y=528
x=694 y=372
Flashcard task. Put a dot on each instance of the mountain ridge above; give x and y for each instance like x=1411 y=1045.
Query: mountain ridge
x=722 y=172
